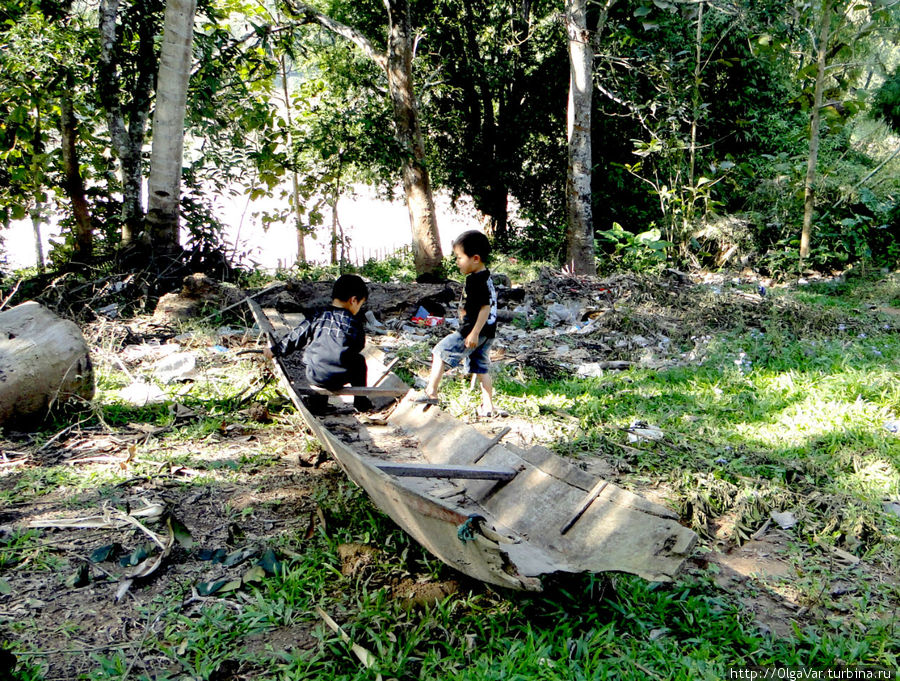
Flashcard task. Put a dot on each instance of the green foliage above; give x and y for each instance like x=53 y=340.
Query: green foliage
x=622 y=250
x=37 y=53
x=495 y=115
x=397 y=267
x=886 y=104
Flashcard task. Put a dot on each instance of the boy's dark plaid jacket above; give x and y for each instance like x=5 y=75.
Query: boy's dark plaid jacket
x=333 y=338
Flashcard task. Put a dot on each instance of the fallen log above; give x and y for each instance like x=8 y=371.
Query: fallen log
x=44 y=362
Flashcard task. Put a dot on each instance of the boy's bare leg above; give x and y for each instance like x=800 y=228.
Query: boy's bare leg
x=487 y=392
x=434 y=380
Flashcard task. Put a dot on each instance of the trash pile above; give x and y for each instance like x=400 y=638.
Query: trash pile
x=558 y=325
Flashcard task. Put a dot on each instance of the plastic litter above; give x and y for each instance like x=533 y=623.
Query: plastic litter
x=370 y=319
x=180 y=366
x=641 y=430
x=429 y=320
x=590 y=370
x=140 y=394
x=557 y=314
x=786 y=520
x=111 y=311
x=134 y=353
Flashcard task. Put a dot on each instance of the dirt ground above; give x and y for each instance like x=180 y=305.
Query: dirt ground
x=257 y=484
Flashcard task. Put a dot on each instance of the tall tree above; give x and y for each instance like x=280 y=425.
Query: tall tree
x=164 y=184
x=580 y=227
x=396 y=62
x=43 y=46
x=825 y=19
x=295 y=178
x=127 y=67
x=83 y=241
x=496 y=74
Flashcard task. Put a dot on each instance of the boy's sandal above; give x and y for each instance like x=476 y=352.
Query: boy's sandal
x=423 y=399
x=495 y=413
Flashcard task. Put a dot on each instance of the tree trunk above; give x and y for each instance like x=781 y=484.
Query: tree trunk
x=580 y=231
x=37 y=219
x=164 y=185
x=814 y=125
x=127 y=138
x=489 y=190
x=416 y=181
x=695 y=95
x=397 y=64
x=74 y=183
x=44 y=362
x=298 y=209
x=37 y=210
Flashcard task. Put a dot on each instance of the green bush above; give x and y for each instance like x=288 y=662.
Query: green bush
x=644 y=252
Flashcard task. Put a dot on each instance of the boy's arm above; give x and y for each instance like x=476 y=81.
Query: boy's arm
x=480 y=321
x=356 y=335
x=296 y=339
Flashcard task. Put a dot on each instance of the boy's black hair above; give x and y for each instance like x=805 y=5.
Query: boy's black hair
x=474 y=243
x=349 y=285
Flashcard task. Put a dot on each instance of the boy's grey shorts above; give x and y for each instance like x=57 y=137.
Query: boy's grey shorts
x=452 y=350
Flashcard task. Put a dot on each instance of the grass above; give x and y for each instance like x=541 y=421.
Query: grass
x=754 y=422
x=757 y=412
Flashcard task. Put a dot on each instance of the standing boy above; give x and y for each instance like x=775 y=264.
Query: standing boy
x=334 y=337
x=478 y=326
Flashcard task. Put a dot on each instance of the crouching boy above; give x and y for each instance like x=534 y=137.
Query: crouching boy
x=334 y=337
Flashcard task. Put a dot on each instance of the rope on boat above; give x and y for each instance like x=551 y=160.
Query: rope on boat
x=466 y=531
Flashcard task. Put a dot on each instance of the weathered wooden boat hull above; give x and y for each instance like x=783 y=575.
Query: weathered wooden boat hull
x=551 y=517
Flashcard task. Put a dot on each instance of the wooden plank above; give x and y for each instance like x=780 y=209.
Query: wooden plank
x=490 y=445
x=588 y=500
x=262 y=321
x=368 y=391
x=437 y=470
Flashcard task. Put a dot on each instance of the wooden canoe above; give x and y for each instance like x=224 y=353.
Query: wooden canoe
x=502 y=514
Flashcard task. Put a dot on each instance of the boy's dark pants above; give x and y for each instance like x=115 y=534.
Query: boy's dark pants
x=356 y=375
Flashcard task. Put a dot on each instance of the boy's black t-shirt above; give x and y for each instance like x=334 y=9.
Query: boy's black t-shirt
x=333 y=338
x=479 y=291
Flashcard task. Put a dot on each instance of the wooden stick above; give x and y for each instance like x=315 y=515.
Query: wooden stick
x=495 y=440
x=262 y=321
x=438 y=470
x=386 y=371
x=588 y=500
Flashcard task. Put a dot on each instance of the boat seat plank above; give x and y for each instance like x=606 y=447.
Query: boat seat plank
x=424 y=470
x=367 y=391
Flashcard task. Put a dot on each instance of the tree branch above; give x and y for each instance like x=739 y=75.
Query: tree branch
x=309 y=15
